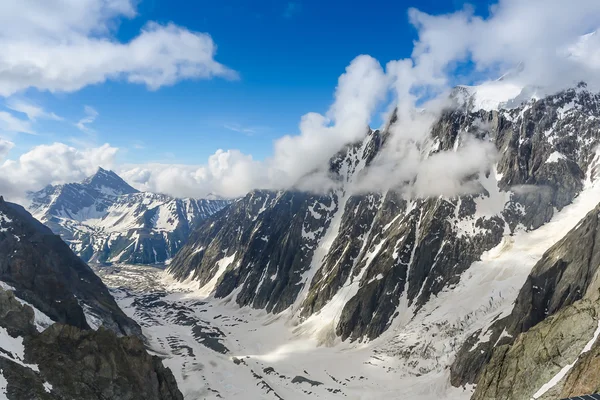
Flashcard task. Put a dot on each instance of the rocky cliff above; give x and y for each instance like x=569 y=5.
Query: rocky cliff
x=43 y=271
x=62 y=336
x=545 y=346
x=65 y=362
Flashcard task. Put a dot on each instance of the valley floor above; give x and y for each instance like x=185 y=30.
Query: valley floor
x=218 y=351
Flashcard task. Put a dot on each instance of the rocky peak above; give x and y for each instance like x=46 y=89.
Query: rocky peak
x=105 y=220
x=108 y=182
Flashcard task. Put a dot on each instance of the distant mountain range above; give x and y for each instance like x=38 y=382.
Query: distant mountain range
x=105 y=220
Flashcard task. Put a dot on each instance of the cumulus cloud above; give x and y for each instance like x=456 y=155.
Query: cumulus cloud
x=50 y=164
x=227 y=173
x=64 y=45
x=535 y=45
x=5 y=147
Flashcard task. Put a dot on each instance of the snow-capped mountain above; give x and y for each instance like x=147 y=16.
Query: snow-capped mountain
x=105 y=220
x=62 y=335
x=410 y=286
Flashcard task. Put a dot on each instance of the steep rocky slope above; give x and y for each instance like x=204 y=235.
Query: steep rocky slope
x=44 y=272
x=365 y=258
x=62 y=336
x=105 y=220
x=543 y=347
x=65 y=362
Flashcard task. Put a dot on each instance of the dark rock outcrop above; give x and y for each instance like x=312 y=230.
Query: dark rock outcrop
x=65 y=362
x=567 y=273
x=46 y=273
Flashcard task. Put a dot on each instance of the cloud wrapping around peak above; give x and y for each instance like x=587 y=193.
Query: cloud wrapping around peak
x=535 y=45
x=65 y=45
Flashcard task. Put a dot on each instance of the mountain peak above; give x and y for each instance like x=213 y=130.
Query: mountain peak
x=108 y=182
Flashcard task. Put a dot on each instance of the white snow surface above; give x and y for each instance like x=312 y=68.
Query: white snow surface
x=3 y=386
x=493 y=95
x=555 y=157
x=92 y=319
x=13 y=349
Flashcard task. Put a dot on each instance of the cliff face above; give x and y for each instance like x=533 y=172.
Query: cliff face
x=43 y=271
x=65 y=362
x=62 y=335
x=553 y=326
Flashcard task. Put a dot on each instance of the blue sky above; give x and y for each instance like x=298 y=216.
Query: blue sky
x=288 y=56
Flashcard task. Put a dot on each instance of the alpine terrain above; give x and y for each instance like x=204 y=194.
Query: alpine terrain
x=105 y=220
x=62 y=336
x=193 y=207
x=492 y=294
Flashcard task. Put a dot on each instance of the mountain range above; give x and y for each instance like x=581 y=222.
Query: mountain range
x=492 y=293
x=105 y=220
x=476 y=289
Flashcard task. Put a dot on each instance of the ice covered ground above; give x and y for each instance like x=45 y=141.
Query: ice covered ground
x=218 y=350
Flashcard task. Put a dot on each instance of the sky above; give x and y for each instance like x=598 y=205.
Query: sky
x=192 y=98
x=288 y=56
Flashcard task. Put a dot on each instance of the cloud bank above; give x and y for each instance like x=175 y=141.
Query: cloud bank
x=537 y=46
x=64 y=45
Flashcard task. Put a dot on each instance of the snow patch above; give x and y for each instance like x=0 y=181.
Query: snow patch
x=555 y=157
x=222 y=266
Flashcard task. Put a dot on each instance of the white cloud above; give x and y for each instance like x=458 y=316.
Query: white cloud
x=360 y=90
x=90 y=116
x=10 y=123
x=240 y=129
x=51 y=164
x=33 y=111
x=543 y=37
x=5 y=147
x=227 y=173
x=64 y=45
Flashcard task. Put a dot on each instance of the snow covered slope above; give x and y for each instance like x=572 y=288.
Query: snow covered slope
x=105 y=220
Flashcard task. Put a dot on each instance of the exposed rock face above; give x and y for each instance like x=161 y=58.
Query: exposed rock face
x=567 y=273
x=518 y=371
x=367 y=257
x=104 y=219
x=44 y=271
x=51 y=302
x=65 y=362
